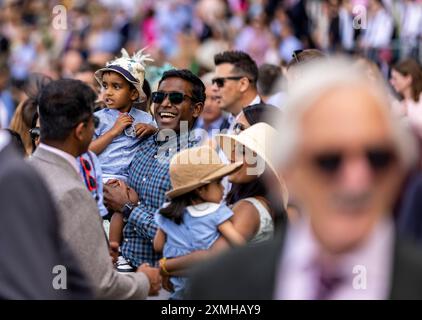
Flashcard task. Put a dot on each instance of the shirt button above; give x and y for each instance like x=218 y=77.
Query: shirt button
x=144 y=179
x=126 y=240
x=155 y=156
x=134 y=229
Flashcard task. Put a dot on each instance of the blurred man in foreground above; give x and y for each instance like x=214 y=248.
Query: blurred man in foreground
x=343 y=158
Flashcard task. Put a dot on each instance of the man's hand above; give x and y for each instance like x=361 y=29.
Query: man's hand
x=144 y=130
x=115 y=195
x=154 y=278
x=114 y=251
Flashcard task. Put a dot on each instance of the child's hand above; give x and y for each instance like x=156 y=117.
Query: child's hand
x=123 y=121
x=144 y=130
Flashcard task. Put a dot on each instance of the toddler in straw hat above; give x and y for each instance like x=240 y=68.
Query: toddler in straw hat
x=122 y=126
x=195 y=217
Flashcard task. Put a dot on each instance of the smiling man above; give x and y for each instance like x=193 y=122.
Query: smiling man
x=178 y=103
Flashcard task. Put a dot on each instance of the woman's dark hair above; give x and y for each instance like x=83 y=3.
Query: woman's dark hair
x=174 y=211
x=413 y=68
x=241 y=191
x=261 y=112
x=32 y=88
x=258 y=188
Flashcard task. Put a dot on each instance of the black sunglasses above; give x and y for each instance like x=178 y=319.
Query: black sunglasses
x=378 y=159
x=174 y=97
x=238 y=128
x=222 y=80
x=295 y=55
x=35 y=133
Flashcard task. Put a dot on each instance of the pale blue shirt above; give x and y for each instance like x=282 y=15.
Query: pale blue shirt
x=117 y=156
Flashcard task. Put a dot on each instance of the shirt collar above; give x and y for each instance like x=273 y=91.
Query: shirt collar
x=202 y=209
x=67 y=156
x=303 y=247
x=256 y=100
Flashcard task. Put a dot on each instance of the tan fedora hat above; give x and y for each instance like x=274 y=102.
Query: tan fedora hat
x=196 y=167
x=260 y=138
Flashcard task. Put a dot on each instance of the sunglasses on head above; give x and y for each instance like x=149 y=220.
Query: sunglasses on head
x=90 y=180
x=295 y=55
x=378 y=160
x=222 y=80
x=174 y=97
x=35 y=133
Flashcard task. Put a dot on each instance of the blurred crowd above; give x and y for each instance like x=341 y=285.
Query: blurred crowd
x=59 y=38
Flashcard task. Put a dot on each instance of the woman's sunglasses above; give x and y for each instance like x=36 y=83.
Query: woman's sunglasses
x=238 y=128
x=34 y=133
x=330 y=163
x=174 y=97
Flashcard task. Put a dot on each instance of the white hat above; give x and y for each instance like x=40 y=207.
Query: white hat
x=131 y=68
x=259 y=138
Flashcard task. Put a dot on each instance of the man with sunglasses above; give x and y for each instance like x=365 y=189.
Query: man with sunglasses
x=67 y=126
x=343 y=157
x=236 y=76
x=177 y=104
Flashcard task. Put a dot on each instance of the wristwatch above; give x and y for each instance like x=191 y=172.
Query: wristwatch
x=128 y=208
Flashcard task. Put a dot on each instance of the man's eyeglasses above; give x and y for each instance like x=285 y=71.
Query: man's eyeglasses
x=222 y=80
x=238 y=128
x=174 y=97
x=378 y=160
x=35 y=133
x=90 y=180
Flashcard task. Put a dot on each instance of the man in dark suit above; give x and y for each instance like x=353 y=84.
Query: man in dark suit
x=343 y=158
x=30 y=244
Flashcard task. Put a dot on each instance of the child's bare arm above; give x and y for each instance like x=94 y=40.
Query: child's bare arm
x=159 y=240
x=231 y=234
x=98 y=145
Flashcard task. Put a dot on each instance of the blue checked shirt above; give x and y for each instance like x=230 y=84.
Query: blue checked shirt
x=149 y=177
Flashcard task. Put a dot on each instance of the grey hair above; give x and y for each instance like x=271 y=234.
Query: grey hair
x=316 y=78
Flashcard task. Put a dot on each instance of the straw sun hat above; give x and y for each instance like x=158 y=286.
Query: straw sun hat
x=260 y=138
x=196 y=167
